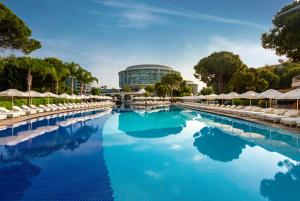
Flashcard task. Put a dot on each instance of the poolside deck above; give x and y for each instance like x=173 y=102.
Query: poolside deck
x=268 y=123
x=10 y=121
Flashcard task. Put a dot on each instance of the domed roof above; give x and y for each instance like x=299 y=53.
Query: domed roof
x=142 y=66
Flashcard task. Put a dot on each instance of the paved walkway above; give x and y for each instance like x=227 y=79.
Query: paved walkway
x=276 y=125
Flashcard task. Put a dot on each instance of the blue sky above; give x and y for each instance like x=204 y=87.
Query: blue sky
x=105 y=36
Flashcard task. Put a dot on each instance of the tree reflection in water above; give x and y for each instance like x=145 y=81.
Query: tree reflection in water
x=17 y=169
x=15 y=179
x=284 y=186
x=218 y=145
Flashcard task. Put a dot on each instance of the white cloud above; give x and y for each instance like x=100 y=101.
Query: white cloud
x=134 y=6
x=251 y=53
x=105 y=63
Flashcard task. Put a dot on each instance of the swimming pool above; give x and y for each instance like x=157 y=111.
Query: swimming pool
x=163 y=155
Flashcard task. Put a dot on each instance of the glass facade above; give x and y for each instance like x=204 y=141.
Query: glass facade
x=139 y=76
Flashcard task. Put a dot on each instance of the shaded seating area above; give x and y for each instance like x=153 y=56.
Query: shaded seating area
x=67 y=102
x=271 y=112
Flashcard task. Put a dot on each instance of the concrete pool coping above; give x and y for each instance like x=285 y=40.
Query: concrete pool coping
x=295 y=130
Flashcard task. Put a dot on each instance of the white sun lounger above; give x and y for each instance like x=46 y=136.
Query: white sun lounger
x=278 y=117
x=29 y=110
x=9 y=113
x=47 y=109
x=18 y=109
x=291 y=121
x=38 y=109
x=3 y=116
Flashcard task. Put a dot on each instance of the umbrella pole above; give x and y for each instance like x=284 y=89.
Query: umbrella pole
x=250 y=101
x=297 y=107
x=12 y=102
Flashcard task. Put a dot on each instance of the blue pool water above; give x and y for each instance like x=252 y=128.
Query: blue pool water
x=161 y=155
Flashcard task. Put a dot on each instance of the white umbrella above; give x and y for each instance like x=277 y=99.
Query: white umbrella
x=32 y=94
x=64 y=95
x=231 y=95
x=269 y=94
x=12 y=93
x=211 y=96
x=200 y=97
x=49 y=94
x=82 y=96
x=141 y=91
x=291 y=95
x=221 y=97
x=248 y=95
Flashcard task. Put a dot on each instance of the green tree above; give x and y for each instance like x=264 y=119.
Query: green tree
x=14 y=33
x=127 y=88
x=247 y=80
x=160 y=89
x=149 y=88
x=206 y=91
x=59 y=72
x=269 y=76
x=95 y=91
x=217 y=69
x=284 y=37
x=172 y=81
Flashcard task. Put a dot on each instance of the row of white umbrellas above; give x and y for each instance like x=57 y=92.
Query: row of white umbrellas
x=269 y=94
x=150 y=98
x=16 y=93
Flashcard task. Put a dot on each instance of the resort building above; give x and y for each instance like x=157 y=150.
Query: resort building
x=193 y=85
x=77 y=86
x=140 y=76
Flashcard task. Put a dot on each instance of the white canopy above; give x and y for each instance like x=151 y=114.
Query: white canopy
x=221 y=96
x=12 y=93
x=231 y=95
x=74 y=97
x=82 y=97
x=294 y=94
x=32 y=93
x=142 y=91
x=64 y=95
x=200 y=97
x=211 y=96
x=248 y=95
x=49 y=94
x=269 y=94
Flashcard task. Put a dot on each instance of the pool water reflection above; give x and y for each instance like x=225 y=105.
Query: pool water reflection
x=163 y=155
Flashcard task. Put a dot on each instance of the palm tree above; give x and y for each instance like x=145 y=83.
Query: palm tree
x=85 y=77
x=59 y=71
x=73 y=69
x=89 y=80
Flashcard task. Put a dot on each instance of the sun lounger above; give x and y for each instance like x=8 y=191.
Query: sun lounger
x=291 y=121
x=18 y=109
x=9 y=113
x=28 y=110
x=277 y=117
x=47 y=109
x=3 y=116
x=38 y=109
